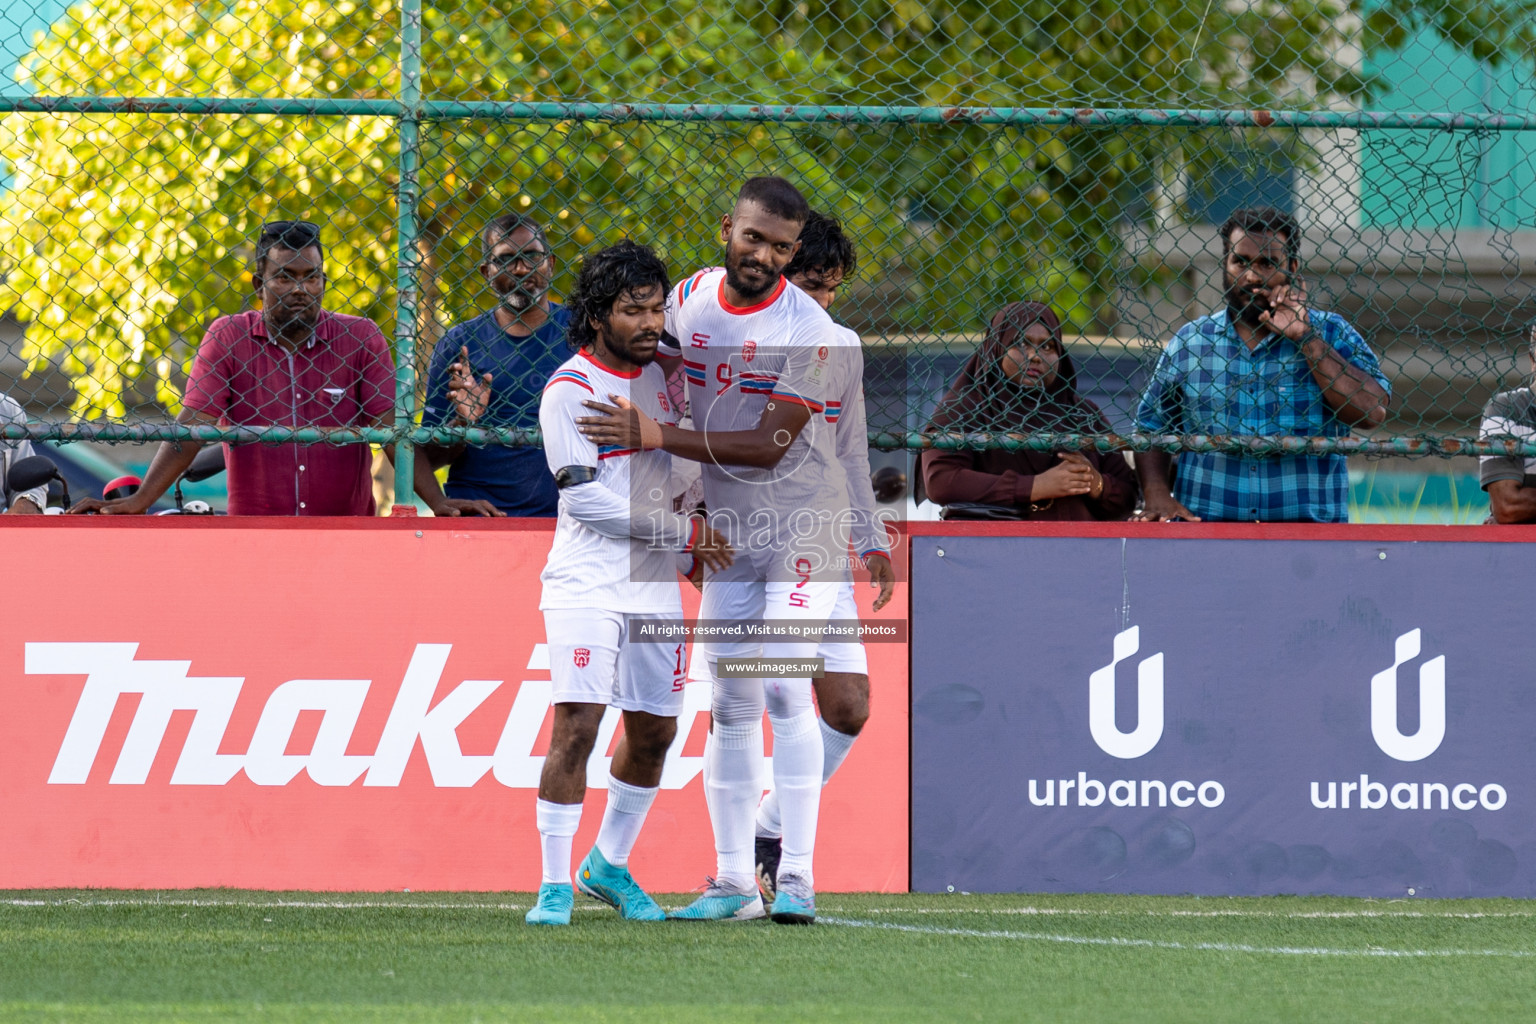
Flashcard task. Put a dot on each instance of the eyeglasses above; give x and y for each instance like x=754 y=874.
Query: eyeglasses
x=529 y=258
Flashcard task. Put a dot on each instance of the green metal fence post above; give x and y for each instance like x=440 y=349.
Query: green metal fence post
x=409 y=269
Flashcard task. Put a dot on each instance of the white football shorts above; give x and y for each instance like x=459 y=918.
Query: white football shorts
x=593 y=661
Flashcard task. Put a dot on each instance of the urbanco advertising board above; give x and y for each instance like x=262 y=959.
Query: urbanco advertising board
x=1224 y=711
x=347 y=705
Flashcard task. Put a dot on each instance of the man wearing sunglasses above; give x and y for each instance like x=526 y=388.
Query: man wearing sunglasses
x=290 y=363
x=490 y=372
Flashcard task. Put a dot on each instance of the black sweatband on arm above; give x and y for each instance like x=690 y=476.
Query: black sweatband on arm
x=570 y=476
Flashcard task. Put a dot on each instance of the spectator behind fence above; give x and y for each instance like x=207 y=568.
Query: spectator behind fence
x=22 y=502
x=1265 y=365
x=1022 y=380
x=1510 y=480
x=490 y=372
x=292 y=363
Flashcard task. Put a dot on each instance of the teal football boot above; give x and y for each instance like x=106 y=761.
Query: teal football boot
x=554 y=905
x=720 y=903
x=795 y=901
x=617 y=888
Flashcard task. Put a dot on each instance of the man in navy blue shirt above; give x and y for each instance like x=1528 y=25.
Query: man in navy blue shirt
x=490 y=372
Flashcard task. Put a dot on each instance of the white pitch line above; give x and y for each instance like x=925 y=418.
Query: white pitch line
x=1298 y=915
x=280 y=904
x=362 y=904
x=1206 y=947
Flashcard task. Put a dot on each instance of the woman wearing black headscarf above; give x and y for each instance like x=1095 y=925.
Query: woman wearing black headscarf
x=1021 y=381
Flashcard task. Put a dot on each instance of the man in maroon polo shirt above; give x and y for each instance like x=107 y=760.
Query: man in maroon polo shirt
x=290 y=364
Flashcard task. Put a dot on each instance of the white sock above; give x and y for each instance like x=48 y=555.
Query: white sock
x=557 y=828
x=733 y=757
x=627 y=807
x=769 y=824
x=834 y=746
x=797 y=762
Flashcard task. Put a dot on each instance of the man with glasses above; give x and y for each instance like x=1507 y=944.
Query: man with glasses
x=291 y=363
x=490 y=372
x=1264 y=366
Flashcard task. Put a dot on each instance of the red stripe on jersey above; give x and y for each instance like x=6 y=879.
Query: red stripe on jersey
x=589 y=357
x=810 y=404
x=569 y=375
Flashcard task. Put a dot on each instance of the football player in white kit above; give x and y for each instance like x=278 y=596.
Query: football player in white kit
x=612 y=563
x=823 y=263
x=760 y=357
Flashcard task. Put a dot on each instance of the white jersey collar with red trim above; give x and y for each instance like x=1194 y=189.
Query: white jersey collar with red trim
x=626 y=374
x=757 y=307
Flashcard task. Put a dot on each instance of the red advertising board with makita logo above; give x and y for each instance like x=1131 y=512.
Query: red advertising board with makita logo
x=356 y=704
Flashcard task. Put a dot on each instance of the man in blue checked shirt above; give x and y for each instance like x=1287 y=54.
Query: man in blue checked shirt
x=1266 y=365
x=490 y=371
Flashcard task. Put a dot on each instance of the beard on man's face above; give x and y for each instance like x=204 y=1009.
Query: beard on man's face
x=525 y=293
x=735 y=263
x=624 y=348
x=1244 y=303
x=294 y=315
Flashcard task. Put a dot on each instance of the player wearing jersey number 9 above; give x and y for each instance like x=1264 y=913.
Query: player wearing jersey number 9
x=761 y=364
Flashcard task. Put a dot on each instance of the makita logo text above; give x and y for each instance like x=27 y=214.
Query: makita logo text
x=112 y=671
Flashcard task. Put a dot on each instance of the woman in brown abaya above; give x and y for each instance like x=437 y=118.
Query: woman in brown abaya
x=1021 y=380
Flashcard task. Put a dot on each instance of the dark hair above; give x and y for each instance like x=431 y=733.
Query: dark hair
x=296 y=235
x=608 y=274
x=500 y=227
x=777 y=196
x=823 y=248
x=1262 y=220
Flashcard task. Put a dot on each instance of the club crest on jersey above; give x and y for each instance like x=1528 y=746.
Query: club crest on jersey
x=662 y=400
x=582 y=657
x=819 y=365
x=749 y=350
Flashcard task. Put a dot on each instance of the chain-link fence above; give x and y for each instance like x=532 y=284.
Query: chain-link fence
x=1081 y=153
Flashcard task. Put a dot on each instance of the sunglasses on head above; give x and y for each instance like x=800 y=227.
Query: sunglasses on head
x=296 y=230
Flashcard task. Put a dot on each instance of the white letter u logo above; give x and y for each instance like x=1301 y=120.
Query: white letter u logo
x=1149 y=701
x=1431 y=705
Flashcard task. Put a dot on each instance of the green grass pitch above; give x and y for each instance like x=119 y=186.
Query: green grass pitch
x=246 y=956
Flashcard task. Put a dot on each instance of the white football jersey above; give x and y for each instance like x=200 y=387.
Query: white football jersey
x=850 y=432
x=738 y=359
x=589 y=566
